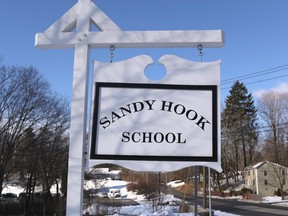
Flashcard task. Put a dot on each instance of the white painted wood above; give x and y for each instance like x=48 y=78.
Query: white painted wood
x=77 y=131
x=179 y=72
x=60 y=35
x=84 y=10
x=132 y=39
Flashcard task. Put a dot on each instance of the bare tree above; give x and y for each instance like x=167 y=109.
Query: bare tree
x=33 y=131
x=45 y=163
x=147 y=183
x=273 y=110
x=279 y=175
x=23 y=95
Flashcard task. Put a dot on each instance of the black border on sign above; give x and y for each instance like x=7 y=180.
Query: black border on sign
x=213 y=158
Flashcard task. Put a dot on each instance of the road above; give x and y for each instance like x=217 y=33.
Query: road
x=235 y=206
x=247 y=208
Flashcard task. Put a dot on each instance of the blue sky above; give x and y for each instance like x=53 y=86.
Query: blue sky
x=256 y=36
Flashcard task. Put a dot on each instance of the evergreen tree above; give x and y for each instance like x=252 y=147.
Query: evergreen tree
x=239 y=124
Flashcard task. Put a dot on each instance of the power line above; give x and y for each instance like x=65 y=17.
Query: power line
x=267 y=71
x=266 y=79
x=263 y=129
x=268 y=128
x=259 y=81
x=257 y=74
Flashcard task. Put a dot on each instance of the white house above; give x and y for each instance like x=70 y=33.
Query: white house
x=266 y=178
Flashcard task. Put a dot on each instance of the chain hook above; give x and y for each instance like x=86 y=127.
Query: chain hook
x=112 y=48
x=200 y=47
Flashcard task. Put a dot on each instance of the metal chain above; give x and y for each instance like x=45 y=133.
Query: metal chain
x=112 y=48
x=200 y=47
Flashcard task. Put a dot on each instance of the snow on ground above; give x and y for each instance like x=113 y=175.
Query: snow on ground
x=12 y=189
x=15 y=189
x=275 y=200
x=144 y=208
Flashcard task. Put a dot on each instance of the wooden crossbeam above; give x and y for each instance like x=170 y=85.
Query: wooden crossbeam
x=132 y=39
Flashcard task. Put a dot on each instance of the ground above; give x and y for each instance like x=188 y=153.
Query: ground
x=145 y=208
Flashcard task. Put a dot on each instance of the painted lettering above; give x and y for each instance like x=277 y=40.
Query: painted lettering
x=105 y=122
x=179 y=109
x=135 y=137
x=150 y=137
x=115 y=117
x=123 y=111
x=125 y=137
x=150 y=104
x=201 y=123
x=138 y=106
x=147 y=137
x=167 y=104
x=190 y=114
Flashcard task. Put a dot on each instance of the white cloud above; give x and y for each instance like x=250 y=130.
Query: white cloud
x=282 y=87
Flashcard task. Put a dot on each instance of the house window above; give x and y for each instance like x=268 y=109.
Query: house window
x=249 y=173
x=283 y=172
x=253 y=181
x=265 y=172
x=266 y=182
x=248 y=182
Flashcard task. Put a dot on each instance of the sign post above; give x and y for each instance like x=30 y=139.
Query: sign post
x=60 y=35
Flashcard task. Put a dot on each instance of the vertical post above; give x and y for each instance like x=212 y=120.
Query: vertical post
x=159 y=182
x=78 y=131
x=78 y=116
x=204 y=187
x=209 y=182
x=195 y=191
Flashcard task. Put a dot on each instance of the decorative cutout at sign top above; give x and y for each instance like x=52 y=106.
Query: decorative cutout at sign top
x=144 y=125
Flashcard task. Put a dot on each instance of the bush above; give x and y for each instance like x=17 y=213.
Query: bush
x=147 y=185
x=246 y=190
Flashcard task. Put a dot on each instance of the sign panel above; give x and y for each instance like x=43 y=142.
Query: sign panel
x=154 y=122
x=173 y=122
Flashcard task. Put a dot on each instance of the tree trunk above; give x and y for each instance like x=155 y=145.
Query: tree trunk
x=244 y=152
x=1 y=179
x=236 y=157
x=28 y=194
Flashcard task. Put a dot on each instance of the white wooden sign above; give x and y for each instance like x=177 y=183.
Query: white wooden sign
x=73 y=30
x=144 y=125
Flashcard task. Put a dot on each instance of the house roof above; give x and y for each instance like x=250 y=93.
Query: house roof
x=255 y=166
x=259 y=164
